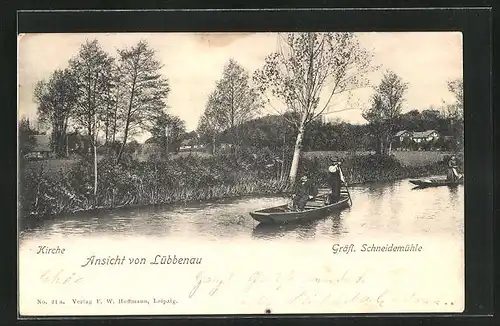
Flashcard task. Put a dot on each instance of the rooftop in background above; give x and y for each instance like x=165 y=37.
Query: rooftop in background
x=423 y=134
x=402 y=132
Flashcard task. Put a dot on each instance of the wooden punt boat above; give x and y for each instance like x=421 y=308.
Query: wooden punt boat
x=436 y=182
x=313 y=209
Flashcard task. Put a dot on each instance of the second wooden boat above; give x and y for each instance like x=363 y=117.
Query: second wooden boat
x=436 y=182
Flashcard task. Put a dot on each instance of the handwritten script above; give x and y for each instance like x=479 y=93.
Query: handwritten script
x=293 y=288
x=60 y=276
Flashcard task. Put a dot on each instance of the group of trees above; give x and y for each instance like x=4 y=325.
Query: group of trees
x=111 y=98
x=385 y=116
x=108 y=98
x=304 y=74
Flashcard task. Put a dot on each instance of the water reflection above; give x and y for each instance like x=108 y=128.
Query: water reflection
x=453 y=194
x=304 y=230
x=337 y=228
x=377 y=209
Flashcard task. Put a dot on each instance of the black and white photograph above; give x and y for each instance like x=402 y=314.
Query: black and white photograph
x=177 y=173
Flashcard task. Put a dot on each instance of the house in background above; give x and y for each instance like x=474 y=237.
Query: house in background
x=424 y=136
x=401 y=135
x=192 y=145
x=187 y=145
x=40 y=148
x=417 y=140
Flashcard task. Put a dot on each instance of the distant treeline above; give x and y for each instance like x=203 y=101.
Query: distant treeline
x=274 y=132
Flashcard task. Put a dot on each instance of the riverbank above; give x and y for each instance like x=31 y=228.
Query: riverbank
x=45 y=194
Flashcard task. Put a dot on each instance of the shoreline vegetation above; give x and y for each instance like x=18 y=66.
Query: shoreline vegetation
x=48 y=194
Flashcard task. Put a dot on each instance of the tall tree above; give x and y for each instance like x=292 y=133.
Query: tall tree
x=387 y=104
x=308 y=66
x=144 y=88
x=93 y=69
x=56 y=99
x=209 y=126
x=234 y=101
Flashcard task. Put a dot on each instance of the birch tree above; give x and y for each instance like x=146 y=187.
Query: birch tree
x=92 y=68
x=307 y=71
x=143 y=87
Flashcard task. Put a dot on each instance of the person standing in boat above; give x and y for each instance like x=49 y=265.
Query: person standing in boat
x=335 y=179
x=453 y=175
x=305 y=191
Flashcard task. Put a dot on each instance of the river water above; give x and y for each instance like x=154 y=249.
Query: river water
x=378 y=209
x=227 y=238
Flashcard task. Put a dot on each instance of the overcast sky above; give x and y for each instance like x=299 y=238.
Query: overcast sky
x=194 y=61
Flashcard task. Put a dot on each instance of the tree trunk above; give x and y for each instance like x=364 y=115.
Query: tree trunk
x=127 y=124
x=115 y=118
x=166 y=147
x=106 y=132
x=95 y=168
x=282 y=172
x=122 y=147
x=60 y=145
x=94 y=142
x=296 y=156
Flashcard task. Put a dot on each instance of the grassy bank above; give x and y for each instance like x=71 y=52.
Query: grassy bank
x=46 y=192
x=363 y=168
x=407 y=158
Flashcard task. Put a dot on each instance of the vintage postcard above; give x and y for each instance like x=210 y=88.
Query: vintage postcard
x=240 y=173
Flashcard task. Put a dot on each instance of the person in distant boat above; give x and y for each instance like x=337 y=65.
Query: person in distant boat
x=305 y=191
x=335 y=179
x=453 y=175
